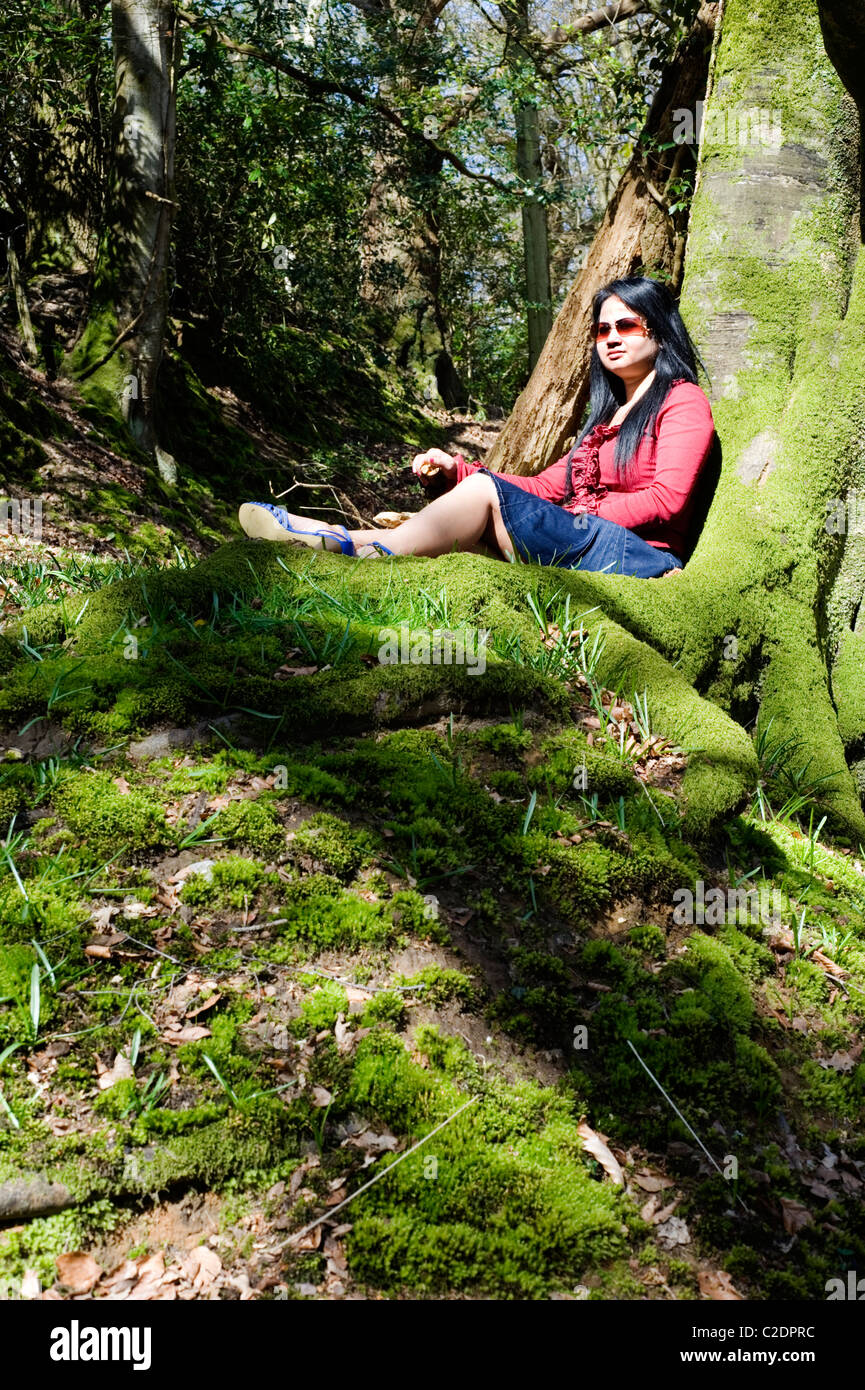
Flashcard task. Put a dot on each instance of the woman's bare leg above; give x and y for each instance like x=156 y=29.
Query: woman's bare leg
x=458 y=520
x=461 y=519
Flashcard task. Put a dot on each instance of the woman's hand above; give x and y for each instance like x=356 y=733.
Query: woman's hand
x=435 y=463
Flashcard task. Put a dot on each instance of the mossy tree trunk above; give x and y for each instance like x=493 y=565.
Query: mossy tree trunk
x=637 y=233
x=117 y=358
x=765 y=619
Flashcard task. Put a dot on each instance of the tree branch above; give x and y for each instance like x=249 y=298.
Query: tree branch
x=324 y=87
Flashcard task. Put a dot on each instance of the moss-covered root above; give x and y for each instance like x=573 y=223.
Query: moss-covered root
x=796 y=698
x=848 y=688
x=722 y=764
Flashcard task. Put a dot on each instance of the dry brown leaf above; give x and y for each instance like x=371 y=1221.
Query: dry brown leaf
x=649 y=1182
x=795 y=1215
x=716 y=1284
x=101 y=916
x=391 y=519
x=202 y=1008
x=78 y=1272
x=194 y=1033
x=839 y=1061
x=594 y=1144
x=202 y=1266
x=310 y=1241
x=666 y=1212
x=371 y=1142
x=121 y=1071
x=284 y=673
x=647 y=1211
x=321 y=1097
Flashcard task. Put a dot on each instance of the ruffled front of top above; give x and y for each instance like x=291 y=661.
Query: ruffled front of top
x=586 y=470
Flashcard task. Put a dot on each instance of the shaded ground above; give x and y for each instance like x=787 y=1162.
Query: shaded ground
x=271 y=912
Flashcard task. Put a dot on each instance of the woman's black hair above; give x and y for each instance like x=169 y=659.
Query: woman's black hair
x=677 y=360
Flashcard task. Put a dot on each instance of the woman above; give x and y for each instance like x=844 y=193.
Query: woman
x=620 y=501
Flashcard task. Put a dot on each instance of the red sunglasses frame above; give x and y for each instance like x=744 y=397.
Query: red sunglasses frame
x=625 y=327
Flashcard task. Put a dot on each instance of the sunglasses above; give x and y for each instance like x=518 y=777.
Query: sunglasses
x=625 y=328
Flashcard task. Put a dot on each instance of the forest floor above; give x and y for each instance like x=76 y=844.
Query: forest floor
x=362 y=912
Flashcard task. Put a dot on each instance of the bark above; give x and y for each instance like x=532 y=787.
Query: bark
x=536 y=243
x=22 y=1199
x=401 y=269
x=65 y=174
x=400 y=247
x=20 y=292
x=636 y=233
x=843 y=25
x=118 y=356
x=764 y=621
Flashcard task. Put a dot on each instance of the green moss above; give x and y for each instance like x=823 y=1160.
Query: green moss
x=233 y=882
x=492 y=1204
x=253 y=824
x=321 y=1008
x=94 y=807
x=332 y=845
x=649 y=939
x=386 y=1007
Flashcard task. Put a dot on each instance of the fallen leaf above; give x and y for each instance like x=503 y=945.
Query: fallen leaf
x=202 y=1008
x=310 y=1241
x=194 y=1033
x=284 y=673
x=673 y=1232
x=716 y=1284
x=647 y=1211
x=320 y=1096
x=594 y=1145
x=121 y=1071
x=795 y=1216
x=665 y=1212
x=202 y=1266
x=78 y=1272
x=371 y=1142
x=839 y=1061
x=649 y=1182
x=101 y=916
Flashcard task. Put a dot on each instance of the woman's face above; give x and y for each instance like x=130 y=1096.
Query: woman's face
x=628 y=355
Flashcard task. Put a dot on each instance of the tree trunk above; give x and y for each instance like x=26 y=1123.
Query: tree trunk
x=536 y=246
x=536 y=242
x=64 y=177
x=117 y=358
x=764 y=622
x=637 y=233
x=401 y=270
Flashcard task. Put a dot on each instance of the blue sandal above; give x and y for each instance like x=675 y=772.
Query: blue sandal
x=261 y=520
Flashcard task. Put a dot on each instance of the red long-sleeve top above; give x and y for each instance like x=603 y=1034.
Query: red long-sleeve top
x=659 y=500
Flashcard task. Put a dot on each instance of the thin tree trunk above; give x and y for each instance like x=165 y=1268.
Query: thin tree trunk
x=636 y=234
x=118 y=356
x=536 y=245
x=21 y=304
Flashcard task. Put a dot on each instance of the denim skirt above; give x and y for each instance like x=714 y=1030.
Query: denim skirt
x=544 y=533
